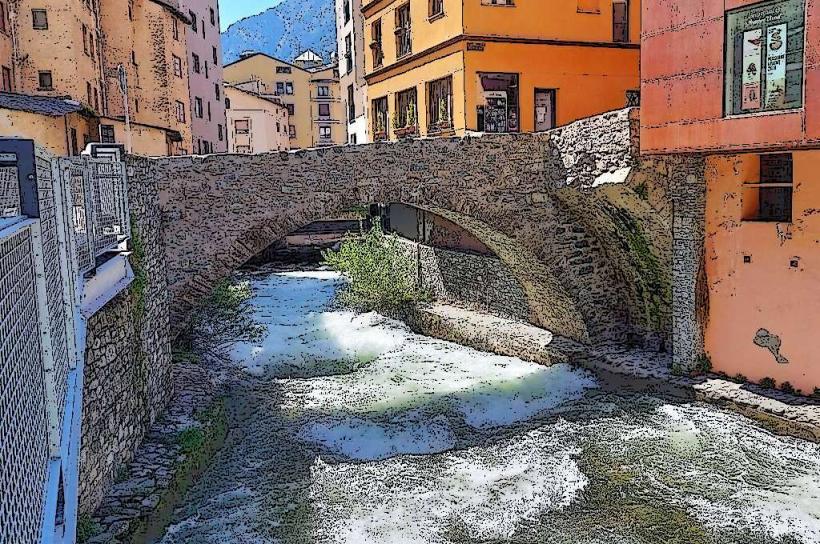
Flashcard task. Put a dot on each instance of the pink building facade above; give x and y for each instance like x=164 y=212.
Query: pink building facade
x=205 y=71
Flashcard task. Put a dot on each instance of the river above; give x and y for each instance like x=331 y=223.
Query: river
x=349 y=428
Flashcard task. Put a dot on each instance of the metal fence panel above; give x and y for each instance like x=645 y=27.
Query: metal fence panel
x=78 y=200
x=110 y=208
x=23 y=426
x=9 y=192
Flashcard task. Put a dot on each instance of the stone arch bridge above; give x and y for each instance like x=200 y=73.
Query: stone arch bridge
x=579 y=219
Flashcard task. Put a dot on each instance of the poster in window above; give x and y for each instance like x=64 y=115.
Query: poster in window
x=776 y=49
x=752 y=55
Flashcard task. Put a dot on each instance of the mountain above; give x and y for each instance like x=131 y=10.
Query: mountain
x=284 y=31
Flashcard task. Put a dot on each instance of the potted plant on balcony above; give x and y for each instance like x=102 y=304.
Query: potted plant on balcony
x=444 y=123
x=380 y=132
x=410 y=127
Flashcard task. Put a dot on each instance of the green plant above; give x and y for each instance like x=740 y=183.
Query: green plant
x=703 y=364
x=787 y=387
x=816 y=393
x=768 y=382
x=740 y=378
x=381 y=276
x=224 y=318
x=191 y=440
x=642 y=191
x=87 y=528
x=140 y=283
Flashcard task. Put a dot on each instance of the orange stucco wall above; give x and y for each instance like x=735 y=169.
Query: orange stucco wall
x=683 y=82
x=766 y=293
x=52 y=133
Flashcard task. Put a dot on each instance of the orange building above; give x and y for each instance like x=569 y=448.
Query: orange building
x=147 y=38
x=739 y=81
x=448 y=66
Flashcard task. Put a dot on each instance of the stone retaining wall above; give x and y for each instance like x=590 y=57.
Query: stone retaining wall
x=128 y=358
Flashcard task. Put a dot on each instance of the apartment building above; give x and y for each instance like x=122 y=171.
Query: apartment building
x=738 y=81
x=437 y=67
x=308 y=88
x=7 y=80
x=205 y=74
x=351 y=51
x=146 y=39
x=256 y=124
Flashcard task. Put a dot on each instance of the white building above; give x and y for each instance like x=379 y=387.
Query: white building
x=350 y=44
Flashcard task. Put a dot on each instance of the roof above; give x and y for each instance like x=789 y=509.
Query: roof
x=309 y=55
x=44 y=105
x=250 y=55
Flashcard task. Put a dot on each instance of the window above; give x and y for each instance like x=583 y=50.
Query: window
x=89 y=94
x=440 y=104
x=175 y=27
x=245 y=149
x=217 y=91
x=220 y=132
x=75 y=149
x=107 y=134
x=209 y=111
x=292 y=131
x=45 y=82
x=194 y=25
x=288 y=87
x=325 y=133
x=497 y=2
x=85 y=40
x=39 y=19
x=348 y=54
x=406 y=111
x=96 y=100
x=213 y=17
x=324 y=91
x=544 y=109
x=180 y=107
x=435 y=7
x=498 y=109
x=197 y=66
x=8 y=86
x=346 y=9
x=380 y=118
x=376 y=43
x=242 y=126
x=207 y=71
x=216 y=55
x=324 y=110
x=291 y=109
x=280 y=87
x=283 y=70
x=4 y=18
x=770 y=199
x=620 y=21
x=198 y=107
x=764 y=57
x=177 y=66
x=133 y=58
x=404 y=42
x=351 y=104
x=91 y=45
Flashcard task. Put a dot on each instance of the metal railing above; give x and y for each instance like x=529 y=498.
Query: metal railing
x=58 y=220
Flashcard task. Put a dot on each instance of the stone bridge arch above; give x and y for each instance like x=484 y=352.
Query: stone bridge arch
x=592 y=259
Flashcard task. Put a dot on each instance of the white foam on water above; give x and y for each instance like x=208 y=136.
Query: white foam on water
x=487 y=492
x=366 y=440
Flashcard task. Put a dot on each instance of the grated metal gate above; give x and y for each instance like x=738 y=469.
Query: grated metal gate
x=53 y=235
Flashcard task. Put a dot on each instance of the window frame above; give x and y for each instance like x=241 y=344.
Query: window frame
x=403 y=31
x=44 y=24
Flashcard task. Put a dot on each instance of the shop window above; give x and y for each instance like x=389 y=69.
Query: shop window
x=405 y=121
x=771 y=198
x=498 y=102
x=39 y=19
x=764 y=57
x=242 y=126
x=440 y=105
x=376 y=43
x=380 y=116
x=620 y=21
x=404 y=42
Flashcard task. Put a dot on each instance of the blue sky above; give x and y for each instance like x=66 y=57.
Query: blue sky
x=231 y=11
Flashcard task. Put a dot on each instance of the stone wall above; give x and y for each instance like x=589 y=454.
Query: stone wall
x=128 y=357
x=479 y=282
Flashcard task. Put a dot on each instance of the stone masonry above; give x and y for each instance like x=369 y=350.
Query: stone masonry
x=580 y=220
x=128 y=358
